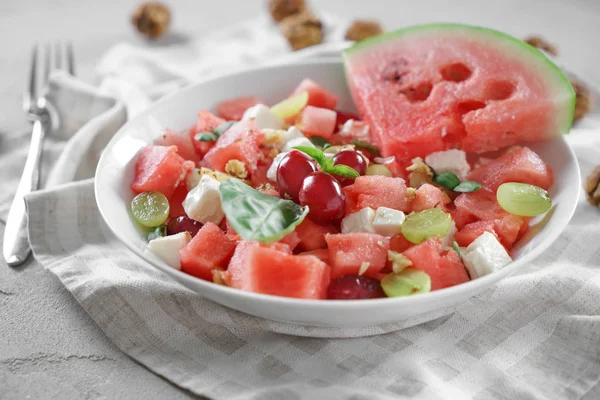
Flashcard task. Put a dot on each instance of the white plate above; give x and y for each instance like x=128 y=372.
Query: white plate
x=116 y=169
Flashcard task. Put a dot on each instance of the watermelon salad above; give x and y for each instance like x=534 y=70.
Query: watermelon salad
x=428 y=186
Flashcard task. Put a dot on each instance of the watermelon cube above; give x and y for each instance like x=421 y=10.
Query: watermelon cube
x=377 y=191
x=183 y=142
x=159 y=169
x=351 y=252
x=321 y=254
x=443 y=267
x=312 y=235
x=472 y=231
x=317 y=95
x=316 y=121
x=291 y=239
x=246 y=149
x=518 y=164
x=233 y=109
x=209 y=249
x=429 y=196
x=263 y=269
x=399 y=243
x=207 y=122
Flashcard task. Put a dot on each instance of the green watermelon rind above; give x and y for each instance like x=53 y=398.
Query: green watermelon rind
x=555 y=76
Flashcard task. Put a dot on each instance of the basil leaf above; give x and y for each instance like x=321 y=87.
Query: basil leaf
x=344 y=171
x=371 y=148
x=157 y=232
x=467 y=186
x=447 y=180
x=258 y=216
x=319 y=141
x=316 y=154
x=206 y=137
x=223 y=127
x=456 y=249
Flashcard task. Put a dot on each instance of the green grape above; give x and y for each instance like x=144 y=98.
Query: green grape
x=378 y=169
x=523 y=199
x=405 y=283
x=422 y=225
x=291 y=106
x=150 y=208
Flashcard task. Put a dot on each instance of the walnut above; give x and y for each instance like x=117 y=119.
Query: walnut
x=219 y=276
x=236 y=168
x=151 y=19
x=302 y=30
x=540 y=43
x=592 y=187
x=420 y=173
x=583 y=101
x=281 y=9
x=362 y=29
x=399 y=261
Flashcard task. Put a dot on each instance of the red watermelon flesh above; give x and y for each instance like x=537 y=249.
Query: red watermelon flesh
x=260 y=269
x=434 y=87
x=183 y=142
x=312 y=235
x=429 y=196
x=317 y=95
x=291 y=239
x=443 y=267
x=348 y=252
x=244 y=148
x=234 y=109
x=399 y=243
x=206 y=122
x=159 y=169
x=472 y=231
x=518 y=164
x=321 y=254
x=209 y=249
x=175 y=202
x=316 y=121
x=377 y=191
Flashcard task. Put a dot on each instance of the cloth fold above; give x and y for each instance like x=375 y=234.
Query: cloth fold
x=534 y=335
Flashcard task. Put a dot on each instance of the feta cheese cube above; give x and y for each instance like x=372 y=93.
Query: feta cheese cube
x=355 y=129
x=203 y=202
x=263 y=117
x=387 y=221
x=448 y=239
x=167 y=248
x=453 y=160
x=303 y=141
x=272 y=171
x=292 y=133
x=360 y=221
x=485 y=255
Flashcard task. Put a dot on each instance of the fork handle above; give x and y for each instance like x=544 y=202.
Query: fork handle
x=16 y=246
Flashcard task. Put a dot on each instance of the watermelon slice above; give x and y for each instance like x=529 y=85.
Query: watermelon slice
x=264 y=269
x=233 y=109
x=160 y=169
x=433 y=87
x=349 y=253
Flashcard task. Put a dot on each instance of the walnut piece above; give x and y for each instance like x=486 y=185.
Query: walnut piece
x=399 y=261
x=592 y=187
x=236 y=168
x=281 y=9
x=540 y=43
x=302 y=30
x=583 y=102
x=219 y=276
x=362 y=29
x=151 y=19
x=420 y=173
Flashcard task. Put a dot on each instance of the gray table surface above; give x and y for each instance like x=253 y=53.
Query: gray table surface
x=49 y=347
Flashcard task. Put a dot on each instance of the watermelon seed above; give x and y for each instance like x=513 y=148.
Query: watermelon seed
x=499 y=90
x=456 y=72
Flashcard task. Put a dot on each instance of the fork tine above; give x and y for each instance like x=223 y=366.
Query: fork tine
x=58 y=55
x=47 y=63
x=70 y=59
x=30 y=93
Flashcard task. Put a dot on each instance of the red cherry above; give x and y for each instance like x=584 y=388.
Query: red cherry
x=182 y=224
x=352 y=159
x=354 y=287
x=323 y=194
x=292 y=169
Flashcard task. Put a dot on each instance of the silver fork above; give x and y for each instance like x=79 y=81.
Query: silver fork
x=16 y=248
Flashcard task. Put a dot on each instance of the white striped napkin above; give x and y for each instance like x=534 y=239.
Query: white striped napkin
x=535 y=335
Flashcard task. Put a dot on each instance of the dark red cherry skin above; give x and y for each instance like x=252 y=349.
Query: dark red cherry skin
x=292 y=169
x=354 y=287
x=323 y=194
x=353 y=160
x=182 y=224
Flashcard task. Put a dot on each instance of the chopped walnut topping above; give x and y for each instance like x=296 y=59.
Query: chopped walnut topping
x=411 y=193
x=236 y=168
x=540 y=43
x=281 y=9
x=592 y=187
x=219 y=276
x=151 y=19
x=273 y=137
x=582 y=99
x=399 y=261
x=362 y=29
x=302 y=30
x=420 y=173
